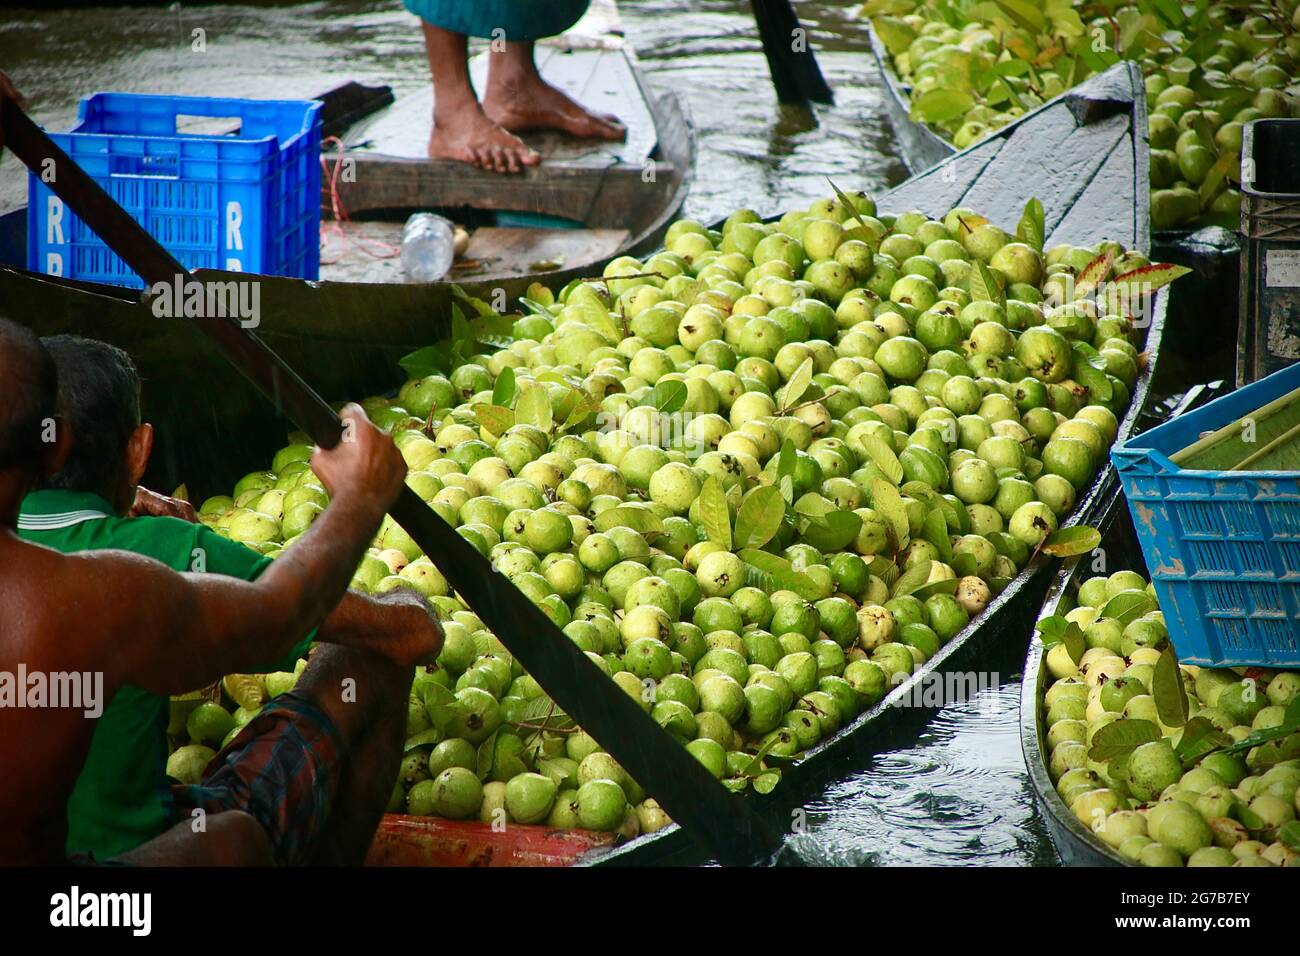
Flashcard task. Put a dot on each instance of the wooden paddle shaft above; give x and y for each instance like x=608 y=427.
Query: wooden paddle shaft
x=688 y=793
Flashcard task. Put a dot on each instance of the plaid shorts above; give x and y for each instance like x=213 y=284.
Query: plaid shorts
x=282 y=768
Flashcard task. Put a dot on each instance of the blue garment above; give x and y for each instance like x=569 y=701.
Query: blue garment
x=520 y=19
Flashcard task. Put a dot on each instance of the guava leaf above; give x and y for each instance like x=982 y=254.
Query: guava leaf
x=486 y=755
x=1057 y=630
x=935 y=530
x=1217 y=173
x=667 y=397
x=766 y=782
x=911 y=579
x=1031 y=227
x=534 y=408
x=780 y=572
x=846 y=202
x=894 y=33
x=1121 y=738
x=883 y=457
x=426 y=737
x=535 y=307
x=1093 y=274
x=640 y=520
x=1025 y=14
x=925 y=591
x=495 y=418
x=941 y=104
x=1288 y=833
x=1094 y=380
x=1068 y=542
x=759 y=517
x=1147 y=278
x=714 y=515
x=503 y=390
x=1168 y=690
x=786 y=463
x=430 y=360
x=1248 y=817
x=797 y=385
x=1290 y=725
x=964 y=564
x=583 y=408
x=1199 y=738
x=836 y=530
x=1125 y=608
x=888 y=503
x=984 y=285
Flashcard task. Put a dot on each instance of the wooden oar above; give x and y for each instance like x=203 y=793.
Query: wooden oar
x=790 y=58
x=720 y=820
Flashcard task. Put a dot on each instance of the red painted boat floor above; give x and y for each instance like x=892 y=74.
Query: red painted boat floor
x=430 y=841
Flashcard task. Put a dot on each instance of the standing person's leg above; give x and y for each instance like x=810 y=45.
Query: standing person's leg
x=519 y=99
x=461 y=130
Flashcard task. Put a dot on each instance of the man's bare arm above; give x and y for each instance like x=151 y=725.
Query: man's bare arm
x=398 y=625
x=193 y=629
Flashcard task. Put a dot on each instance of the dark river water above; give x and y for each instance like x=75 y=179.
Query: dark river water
x=959 y=795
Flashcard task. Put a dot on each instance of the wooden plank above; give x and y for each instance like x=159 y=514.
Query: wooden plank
x=942 y=188
x=509 y=251
x=1114 y=178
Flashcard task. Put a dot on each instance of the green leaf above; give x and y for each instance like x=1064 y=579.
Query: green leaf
x=426 y=737
x=759 y=517
x=503 y=390
x=536 y=308
x=940 y=105
x=495 y=418
x=1288 y=833
x=1095 y=381
x=1199 y=737
x=430 y=360
x=1093 y=274
x=1125 y=607
x=786 y=464
x=766 y=782
x=1057 y=630
x=847 y=203
x=984 y=285
x=836 y=530
x=1030 y=229
x=534 y=408
x=782 y=573
x=911 y=579
x=894 y=33
x=935 y=530
x=667 y=397
x=583 y=408
x=1068 y=542
x=1168 y=690
x=964 y=564
x=797 y=385
x=946 y=586
x=1148 y=278
x=714 y=515
x=1121 y=738
x=1024 y=13
x=641 y=520
x=486 y=755
x=883 y=457
x=888 y=503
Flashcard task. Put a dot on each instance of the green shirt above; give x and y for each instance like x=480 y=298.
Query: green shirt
x=123 y=796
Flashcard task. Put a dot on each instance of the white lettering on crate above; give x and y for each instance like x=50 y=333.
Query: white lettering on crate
x=54 y=221
x=234 y=220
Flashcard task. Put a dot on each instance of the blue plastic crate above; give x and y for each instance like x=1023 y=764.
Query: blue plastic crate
x=247 y=202
x=1223 y=547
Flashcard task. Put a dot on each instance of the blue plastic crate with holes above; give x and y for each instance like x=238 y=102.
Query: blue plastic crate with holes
x=222 y=183
x=1223 y=547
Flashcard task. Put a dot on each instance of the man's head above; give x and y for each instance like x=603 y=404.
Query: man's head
x=99 y=397
x=30 y=441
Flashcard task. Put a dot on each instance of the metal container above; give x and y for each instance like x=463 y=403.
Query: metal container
x=1268 y=327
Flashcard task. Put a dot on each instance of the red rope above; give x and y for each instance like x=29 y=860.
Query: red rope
x=367 y=245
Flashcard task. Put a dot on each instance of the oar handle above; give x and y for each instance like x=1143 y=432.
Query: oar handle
x=690 y=795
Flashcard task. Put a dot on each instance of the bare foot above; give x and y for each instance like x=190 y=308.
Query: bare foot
x=529 y=102
x=467 y=135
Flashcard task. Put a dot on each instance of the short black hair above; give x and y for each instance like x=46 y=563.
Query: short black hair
x=99 y=397
x=29 y=388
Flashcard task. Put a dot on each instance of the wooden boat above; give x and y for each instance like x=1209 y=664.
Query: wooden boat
x=1212 y=252
x=328 y=332
x=586 y=203
x=1103 y=200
